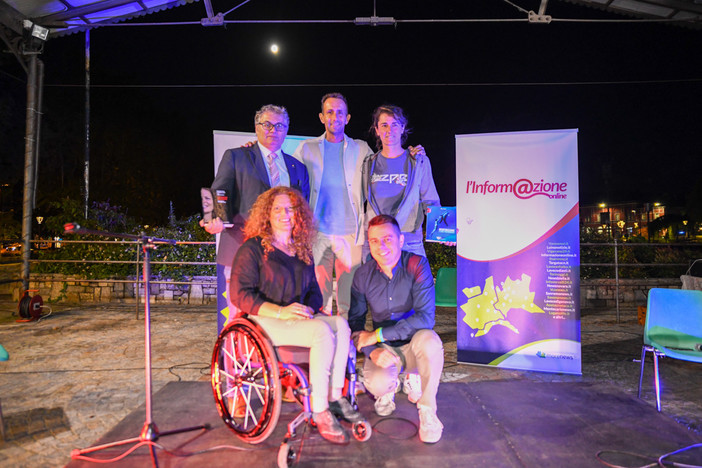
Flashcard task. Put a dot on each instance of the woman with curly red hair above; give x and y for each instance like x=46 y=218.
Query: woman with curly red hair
x=273 y=280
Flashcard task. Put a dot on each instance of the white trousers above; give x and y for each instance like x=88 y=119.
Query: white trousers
x=338 y=254
x=328 y=341
x=424 y=354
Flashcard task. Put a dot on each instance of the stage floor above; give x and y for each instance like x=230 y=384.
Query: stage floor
x=509 y=423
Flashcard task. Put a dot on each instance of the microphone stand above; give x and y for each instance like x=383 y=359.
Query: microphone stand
x=149 y=432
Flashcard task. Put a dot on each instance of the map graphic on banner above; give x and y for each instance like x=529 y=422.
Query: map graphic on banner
x=485 y=310
x=518 y=250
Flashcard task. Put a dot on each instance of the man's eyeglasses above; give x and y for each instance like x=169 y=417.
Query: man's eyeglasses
x=267 y=126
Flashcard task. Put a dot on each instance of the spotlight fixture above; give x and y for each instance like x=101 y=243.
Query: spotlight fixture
x=40 y=32
x=33 y=37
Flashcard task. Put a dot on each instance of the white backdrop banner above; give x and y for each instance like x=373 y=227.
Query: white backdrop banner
x=518 y=250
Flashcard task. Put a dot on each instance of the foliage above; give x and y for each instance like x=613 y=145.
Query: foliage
x=440 y=255
x=104 y=217
x=190 y=231
x=10 y=228
x=637 y=251
x=694 y=207
x=596 y=254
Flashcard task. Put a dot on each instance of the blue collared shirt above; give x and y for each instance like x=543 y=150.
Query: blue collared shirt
x=401 y=305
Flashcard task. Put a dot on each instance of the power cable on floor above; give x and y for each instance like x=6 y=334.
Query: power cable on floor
x=204 y=369
x=684 y=449
x=151 y=443
x=396 y=418
x=656 y=461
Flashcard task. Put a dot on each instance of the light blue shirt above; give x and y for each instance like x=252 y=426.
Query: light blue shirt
x=279 y=162
x=333 y=209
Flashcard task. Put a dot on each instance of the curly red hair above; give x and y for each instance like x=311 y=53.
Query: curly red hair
x=303 y=232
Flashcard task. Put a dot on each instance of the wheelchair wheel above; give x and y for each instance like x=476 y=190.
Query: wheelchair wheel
x=246 y=381
x=362 y=430
x=287 y=457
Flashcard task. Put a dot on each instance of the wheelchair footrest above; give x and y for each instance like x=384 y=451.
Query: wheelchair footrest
x=300 y=419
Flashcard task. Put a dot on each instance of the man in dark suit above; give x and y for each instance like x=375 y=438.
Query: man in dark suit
x=246 y=173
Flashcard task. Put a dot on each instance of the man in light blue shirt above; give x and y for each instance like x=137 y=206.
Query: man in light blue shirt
x=334 y=162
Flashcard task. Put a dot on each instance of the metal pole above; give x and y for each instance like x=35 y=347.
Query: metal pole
x=29 y=147
x=2 y=423
x=39 y=113
x=147 y=431
x=616 y=275
x=542 y=7
x=136 y=290
x=86 y=167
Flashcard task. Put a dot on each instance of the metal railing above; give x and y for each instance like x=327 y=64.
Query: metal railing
x=694 y=251
x=617 y=265
x=136 y=262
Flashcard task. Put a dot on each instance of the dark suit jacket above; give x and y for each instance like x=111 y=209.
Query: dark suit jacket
x=243 y=174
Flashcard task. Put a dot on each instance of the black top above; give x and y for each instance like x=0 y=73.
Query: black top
x=279 y=279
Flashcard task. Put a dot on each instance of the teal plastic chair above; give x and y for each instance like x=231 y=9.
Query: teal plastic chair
x=445 y=287
x=673 y=329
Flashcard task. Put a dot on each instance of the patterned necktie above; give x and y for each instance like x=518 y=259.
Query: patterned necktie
x=273 y=168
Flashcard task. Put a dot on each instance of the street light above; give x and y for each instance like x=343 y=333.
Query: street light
x=40 y=219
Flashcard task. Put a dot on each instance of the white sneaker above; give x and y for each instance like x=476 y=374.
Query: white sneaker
x=430 y=428
x=385 y=404
x=412 y=386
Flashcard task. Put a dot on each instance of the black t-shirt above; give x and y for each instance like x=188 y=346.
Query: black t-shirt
x=279 y=279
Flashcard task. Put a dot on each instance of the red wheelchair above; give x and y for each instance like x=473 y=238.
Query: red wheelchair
x=248 y=374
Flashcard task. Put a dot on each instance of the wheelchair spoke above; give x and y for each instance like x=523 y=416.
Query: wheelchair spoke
x=227 y=394
x=248 y=351
x=249 y=409
x=258 y=389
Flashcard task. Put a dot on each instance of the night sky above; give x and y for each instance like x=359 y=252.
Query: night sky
x=633 y=90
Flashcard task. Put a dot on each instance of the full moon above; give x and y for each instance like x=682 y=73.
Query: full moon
x=274 y=48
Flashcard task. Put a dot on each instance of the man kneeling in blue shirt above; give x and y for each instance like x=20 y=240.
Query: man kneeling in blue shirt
x=398 y=289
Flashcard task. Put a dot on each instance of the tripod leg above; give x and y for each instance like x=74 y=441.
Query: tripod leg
x=186 y=429
x=75 y=453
